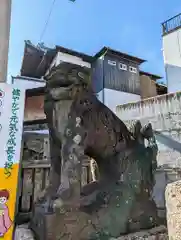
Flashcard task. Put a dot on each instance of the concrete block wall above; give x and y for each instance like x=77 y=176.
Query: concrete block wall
x=164 y=113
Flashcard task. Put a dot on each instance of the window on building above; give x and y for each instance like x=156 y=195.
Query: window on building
x=113 y=63
x=132 y=69
x=123 y=66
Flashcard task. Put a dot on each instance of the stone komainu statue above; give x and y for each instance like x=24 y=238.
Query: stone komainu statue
x=80 y=126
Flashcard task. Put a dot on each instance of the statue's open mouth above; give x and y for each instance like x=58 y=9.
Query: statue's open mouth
x=63 y=78
x=67 y=74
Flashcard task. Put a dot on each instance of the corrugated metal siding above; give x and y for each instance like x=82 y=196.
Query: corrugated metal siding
x=97 y=75
x=121 y=80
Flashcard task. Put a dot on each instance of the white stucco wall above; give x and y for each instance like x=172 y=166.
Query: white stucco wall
x=64 y=57
x=172 y=47
x=173 y=74
x=172 y=59
x=164 y=113
x=113 y=98
x=100 y=95
x=28 y=83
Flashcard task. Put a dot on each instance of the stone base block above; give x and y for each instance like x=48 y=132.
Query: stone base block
x=43 y=224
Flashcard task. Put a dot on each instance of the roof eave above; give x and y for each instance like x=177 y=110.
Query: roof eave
x=154 y=76
x=85 y=57
x=108 y=50
x=36 y=54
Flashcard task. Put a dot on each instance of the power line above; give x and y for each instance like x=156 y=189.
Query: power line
x=47 y=21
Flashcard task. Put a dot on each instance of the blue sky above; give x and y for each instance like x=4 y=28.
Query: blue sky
x=132 y=26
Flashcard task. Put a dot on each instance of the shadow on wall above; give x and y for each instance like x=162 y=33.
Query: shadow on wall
x=168 y=141
x=173 y=75
x=164 y=113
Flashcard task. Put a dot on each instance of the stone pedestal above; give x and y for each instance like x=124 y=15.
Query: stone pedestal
x=173 y=206
x=43 y=224
x=22 y=232
x=126 y=166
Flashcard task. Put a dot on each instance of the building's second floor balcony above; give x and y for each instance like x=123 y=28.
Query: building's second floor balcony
x=171 y=24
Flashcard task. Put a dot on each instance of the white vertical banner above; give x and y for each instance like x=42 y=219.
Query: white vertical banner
x=11 y=128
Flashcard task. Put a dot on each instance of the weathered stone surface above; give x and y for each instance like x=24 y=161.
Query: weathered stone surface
x=160 y=229
x=23 y=232
x=173 y=206
x=120 y=201
x=157 y=233
x=33 y=147
x=164 y=113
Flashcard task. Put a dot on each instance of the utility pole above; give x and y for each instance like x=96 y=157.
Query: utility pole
x=5 y=18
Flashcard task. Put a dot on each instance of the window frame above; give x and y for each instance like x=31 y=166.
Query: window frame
x=111 y=62
x=133 y=69
x=125 y=68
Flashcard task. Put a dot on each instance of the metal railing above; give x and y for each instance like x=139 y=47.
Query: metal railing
x=171 y=24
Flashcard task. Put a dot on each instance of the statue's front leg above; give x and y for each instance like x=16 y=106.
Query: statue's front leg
x=72 y=155
x=70 y=186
